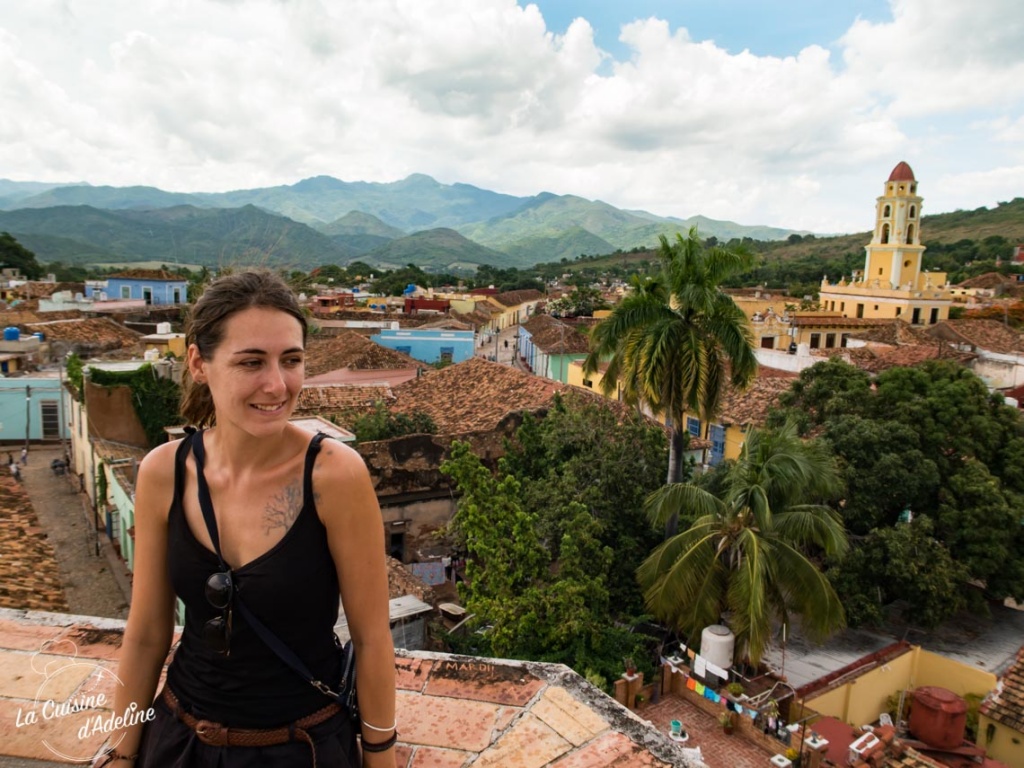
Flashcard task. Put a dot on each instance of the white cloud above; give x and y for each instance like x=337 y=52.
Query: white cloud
x=223 y=94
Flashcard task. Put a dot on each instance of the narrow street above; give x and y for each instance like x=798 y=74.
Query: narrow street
x=95 y=584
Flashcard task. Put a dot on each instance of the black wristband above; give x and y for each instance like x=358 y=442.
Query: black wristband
x=382 y=746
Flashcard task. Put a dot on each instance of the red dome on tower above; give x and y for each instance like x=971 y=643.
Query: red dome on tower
x=902 y=172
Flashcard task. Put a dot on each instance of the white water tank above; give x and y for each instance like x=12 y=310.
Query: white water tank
x=717 y=645
x=163 y=328
x=151 y=355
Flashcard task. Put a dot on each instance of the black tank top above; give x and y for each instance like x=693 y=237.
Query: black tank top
x=292 y=588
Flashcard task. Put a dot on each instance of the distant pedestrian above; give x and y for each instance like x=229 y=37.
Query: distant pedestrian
x=24 y=455
x=15 y=471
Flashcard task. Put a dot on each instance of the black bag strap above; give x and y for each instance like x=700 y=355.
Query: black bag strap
x=346 y=693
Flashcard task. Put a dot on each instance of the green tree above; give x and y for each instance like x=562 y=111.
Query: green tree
x=581 y=302
x=382 y=424
x=584 y=454
x=981 y=526
x=676 y=339
x=505 y=556
x=747 y=555
x=530 y=605
x=884 y=469
x=823 y=393
x=14 y=254
x=903 y=563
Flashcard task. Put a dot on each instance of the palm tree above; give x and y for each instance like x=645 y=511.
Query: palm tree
x=745 y=555
x=675 y=340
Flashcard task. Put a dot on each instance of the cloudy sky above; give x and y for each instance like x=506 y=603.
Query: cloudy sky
x=782 y=112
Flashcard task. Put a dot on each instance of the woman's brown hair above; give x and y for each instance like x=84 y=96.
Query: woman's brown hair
x=225 y=296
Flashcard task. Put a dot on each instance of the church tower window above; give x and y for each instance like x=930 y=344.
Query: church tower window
x=886 y=212
x=885 y=233
x=910 y=234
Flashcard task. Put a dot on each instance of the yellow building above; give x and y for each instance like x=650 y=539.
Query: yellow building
x=893 y=283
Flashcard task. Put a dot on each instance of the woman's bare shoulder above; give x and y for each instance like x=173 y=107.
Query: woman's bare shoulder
x=156 y=471
x=339 y=476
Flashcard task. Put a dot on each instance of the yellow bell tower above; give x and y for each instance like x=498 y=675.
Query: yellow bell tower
x=893 y=257
x=894 y=284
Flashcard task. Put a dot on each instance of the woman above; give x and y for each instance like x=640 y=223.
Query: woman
x=294 y=521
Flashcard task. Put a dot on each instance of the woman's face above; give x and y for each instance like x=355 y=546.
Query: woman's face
x=256 y=372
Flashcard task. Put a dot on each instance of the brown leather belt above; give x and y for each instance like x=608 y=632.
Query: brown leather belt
x=219 y=735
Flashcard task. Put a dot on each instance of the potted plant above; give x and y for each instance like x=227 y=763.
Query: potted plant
x=735 y=689
x=639 y=701
x=630 y=666
x=728 y=720
x=793 y=755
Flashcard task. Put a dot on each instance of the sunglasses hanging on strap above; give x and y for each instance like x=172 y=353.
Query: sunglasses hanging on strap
x=224 y=595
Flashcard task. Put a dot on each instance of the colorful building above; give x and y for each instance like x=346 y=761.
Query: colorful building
x=432 y=345
x=153 y=286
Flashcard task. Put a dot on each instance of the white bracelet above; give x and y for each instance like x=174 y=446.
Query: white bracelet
x=381 y=730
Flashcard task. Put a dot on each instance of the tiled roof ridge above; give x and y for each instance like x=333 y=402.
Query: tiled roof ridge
x=354 y=351
x=561 y=676
x=147 y=274
x=1006 y=703
x=989 y=334
x=515 y=298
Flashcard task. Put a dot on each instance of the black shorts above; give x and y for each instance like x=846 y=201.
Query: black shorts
x=169 y=743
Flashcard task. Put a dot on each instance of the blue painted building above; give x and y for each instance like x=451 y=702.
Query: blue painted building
x=32 y=408
x=431 y=345
x=154 y=286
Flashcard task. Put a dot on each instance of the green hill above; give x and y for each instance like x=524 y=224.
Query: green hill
x=112 y=198
x=183 y=234
x=414 y=203
x=567 y=244
x=436 y=250
x=359 y=223
x=548 y=217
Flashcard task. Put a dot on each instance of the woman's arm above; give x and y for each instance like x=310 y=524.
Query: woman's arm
x=147 y=636
x=348 y=507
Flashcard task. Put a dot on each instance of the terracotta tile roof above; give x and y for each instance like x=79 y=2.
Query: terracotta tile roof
x=987 y=280
x=764 y=372
x=448 y=324
x=147 y=274
x=1006 y=705
x=29 y=575
x=352 y=350
x=831 y=321
x=894 y=332
x=911 y=759
x=22 y=316
x=37 y=289
x=516 y=298
x=332 y=398
x=374 y=378
x=878 y=359
x=554 y=337
x=989 y=335
x=477 y=318
x=474 y=395
x=454 y=710
x=401 y=581
x=95 y=334
x=751 y=406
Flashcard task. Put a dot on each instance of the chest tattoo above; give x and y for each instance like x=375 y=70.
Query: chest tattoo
x=283 y=508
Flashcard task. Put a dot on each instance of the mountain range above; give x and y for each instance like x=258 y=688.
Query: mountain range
x=323 y=220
